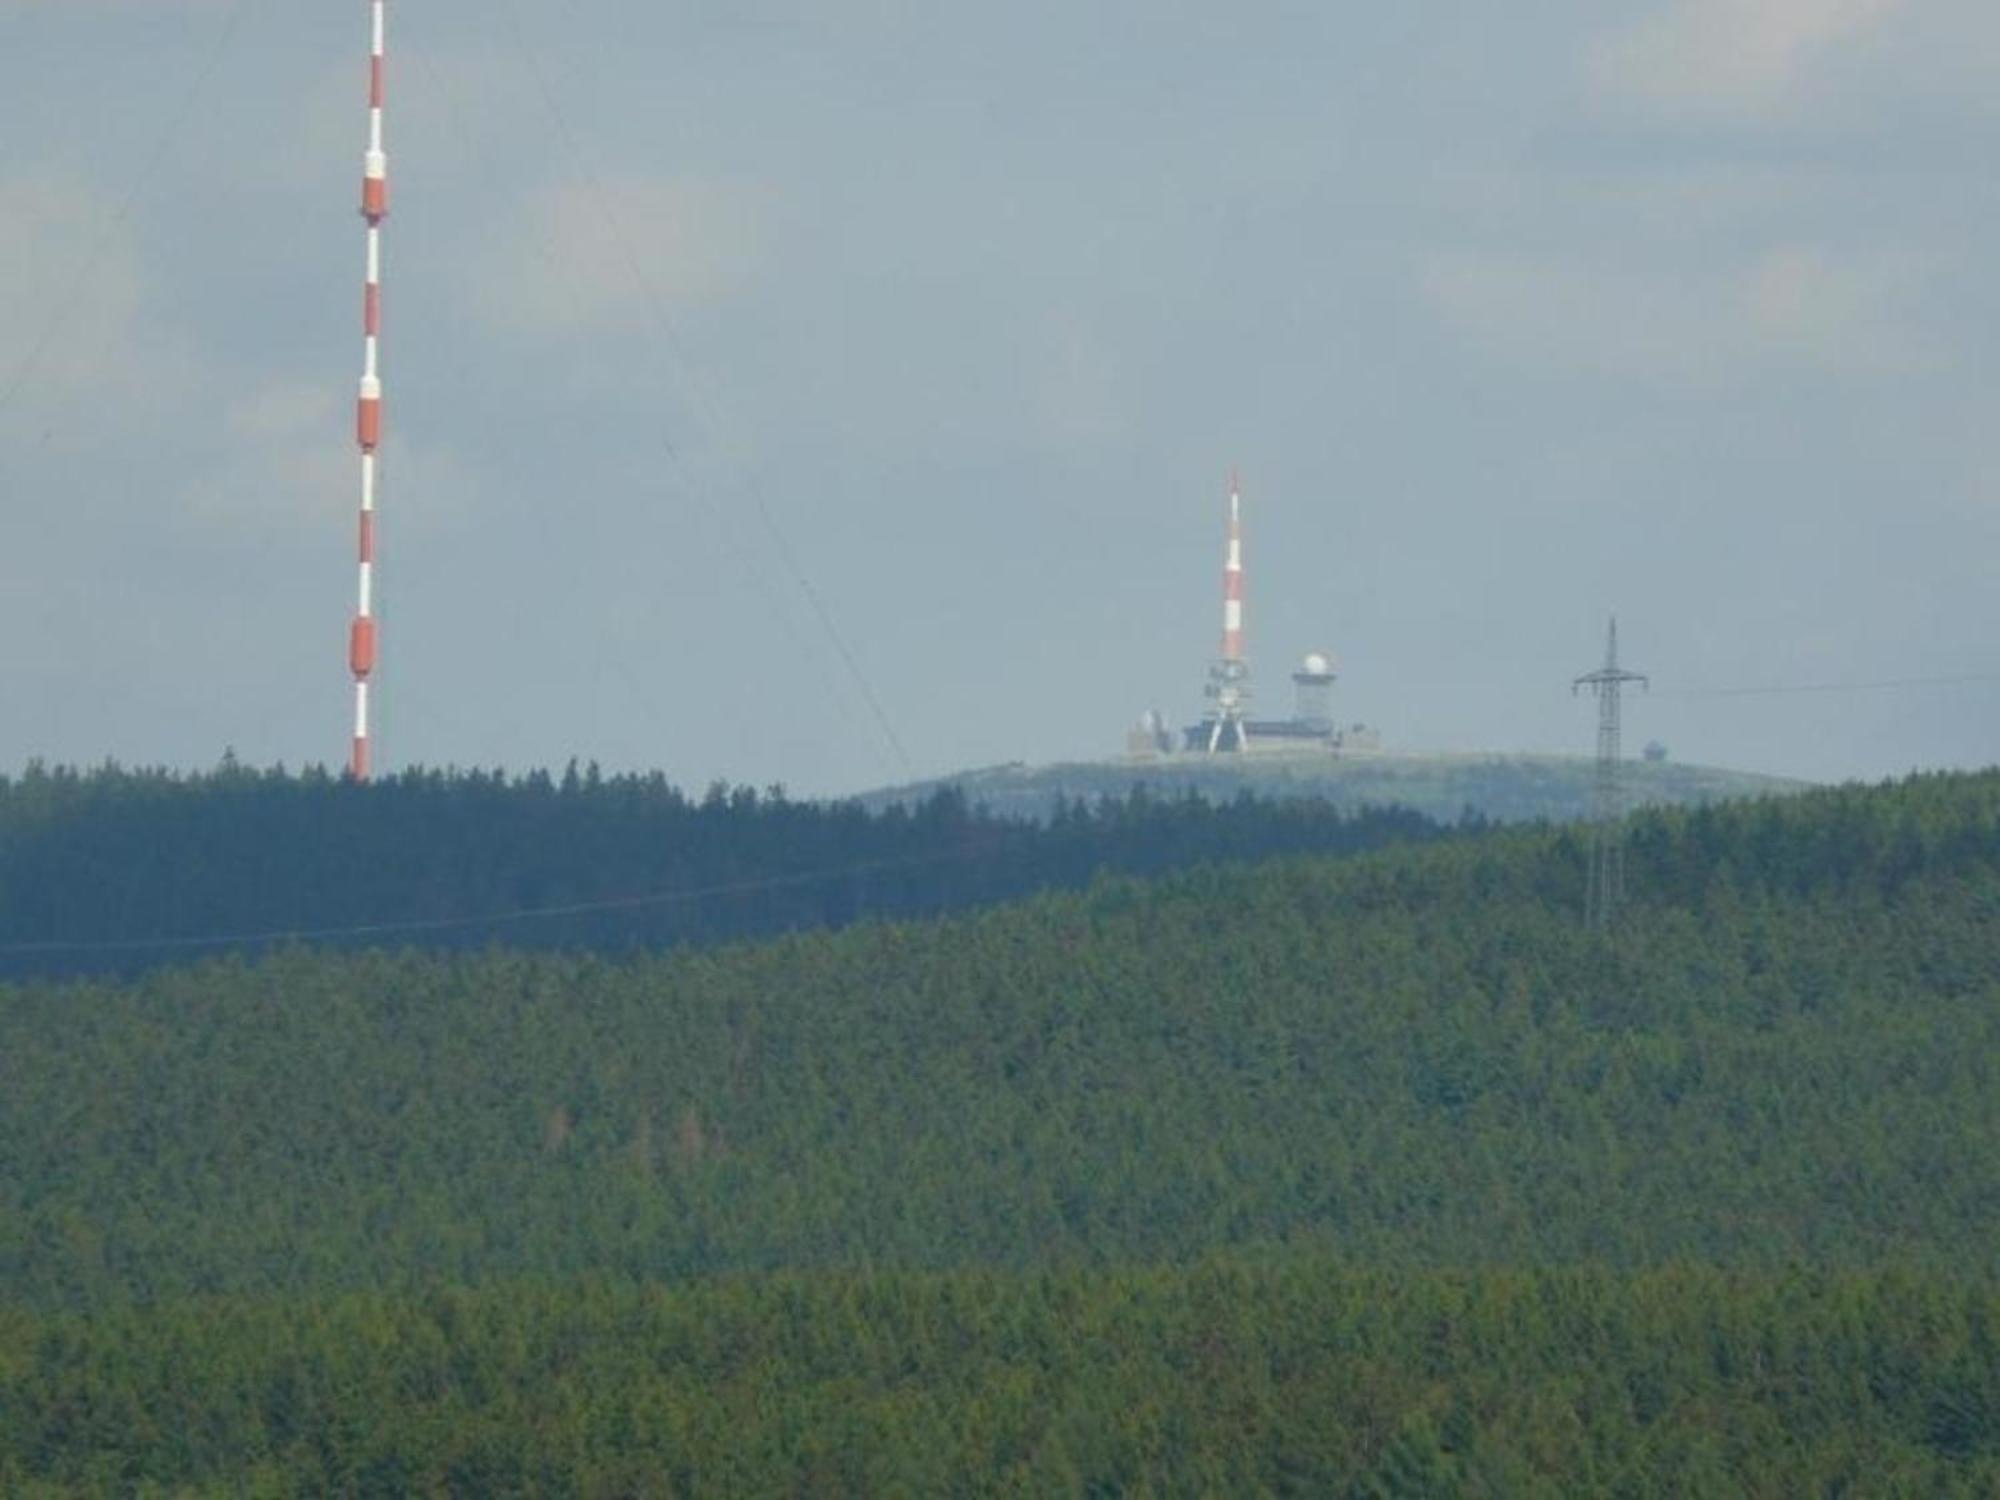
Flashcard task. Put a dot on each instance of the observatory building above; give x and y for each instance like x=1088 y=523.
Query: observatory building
x=1311 y=726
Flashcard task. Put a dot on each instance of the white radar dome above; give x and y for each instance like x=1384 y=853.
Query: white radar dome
x=1318 y=664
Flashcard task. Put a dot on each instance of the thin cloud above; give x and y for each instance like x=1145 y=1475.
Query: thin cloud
x=589 y=257
x=1730 y=54
x=1081 y=388
x=1791 y=307
x=286 y=463
x=71 y=284
x=114 y=7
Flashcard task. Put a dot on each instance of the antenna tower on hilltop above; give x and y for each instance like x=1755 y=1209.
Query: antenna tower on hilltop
x=1229 y=676
x=368 y=410
x=1607 y=854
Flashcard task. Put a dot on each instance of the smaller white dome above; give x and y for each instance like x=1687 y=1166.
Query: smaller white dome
x=1317 y=664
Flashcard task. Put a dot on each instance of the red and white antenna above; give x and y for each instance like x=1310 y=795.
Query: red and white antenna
x=1232 y=576
x=1229 y=676
x=368 y=410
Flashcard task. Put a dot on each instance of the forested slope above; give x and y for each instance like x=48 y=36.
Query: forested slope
x=115 y=871
x=1419 y=1055
x=1369 y=1175
x=1232 y=1377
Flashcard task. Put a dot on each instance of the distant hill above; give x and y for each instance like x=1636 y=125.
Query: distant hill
x=1501 y=787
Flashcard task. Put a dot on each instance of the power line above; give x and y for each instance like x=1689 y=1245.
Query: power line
x=663 y=325
x=1783 y=689
x=505 y=917
x=440 y=87
x=93 y=260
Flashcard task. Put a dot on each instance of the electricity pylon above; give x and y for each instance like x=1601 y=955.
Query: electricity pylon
x=1607 y=854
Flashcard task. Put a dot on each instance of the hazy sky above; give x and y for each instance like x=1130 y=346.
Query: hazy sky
x=1510 y=314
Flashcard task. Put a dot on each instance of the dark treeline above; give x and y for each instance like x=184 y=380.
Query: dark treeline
x=102 y=871
x=1234 y=1376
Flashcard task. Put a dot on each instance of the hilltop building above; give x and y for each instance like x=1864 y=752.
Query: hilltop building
x=1226 y=728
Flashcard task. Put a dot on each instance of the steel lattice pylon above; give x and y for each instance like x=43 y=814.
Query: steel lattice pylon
x=1607 y=852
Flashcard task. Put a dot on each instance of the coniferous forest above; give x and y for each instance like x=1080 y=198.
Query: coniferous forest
x=1177 y=1150
x=115 y=871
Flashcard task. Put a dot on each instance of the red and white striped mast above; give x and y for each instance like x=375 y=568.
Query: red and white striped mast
x=1232 y=576
x=368 y=410
x=1229 y=675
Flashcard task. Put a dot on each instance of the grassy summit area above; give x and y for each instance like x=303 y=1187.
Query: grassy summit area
x=1372 y=1174
x=1498 y=787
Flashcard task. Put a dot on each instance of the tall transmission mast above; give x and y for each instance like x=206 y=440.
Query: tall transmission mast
x=368 y=410
x=1229 y=675
x=1607 y=854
